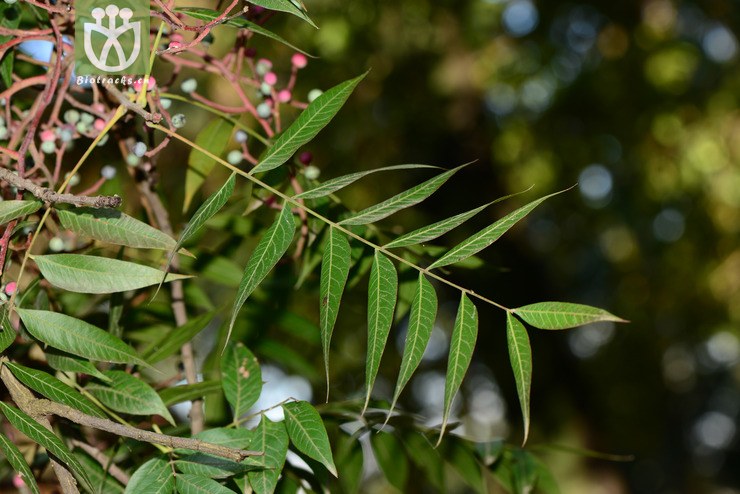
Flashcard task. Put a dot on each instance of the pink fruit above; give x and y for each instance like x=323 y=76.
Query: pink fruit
x=299 y=60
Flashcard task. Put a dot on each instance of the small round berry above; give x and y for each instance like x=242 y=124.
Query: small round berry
x=312 y=172
x=48 y=135
x=313 y=94
x=176 y=38
x=139 y=149
x=2 y=121
x=271 y=78
x=86 y=118
x=234 y=157
x=189 y=85
x=264 y=110
x=265 y=89
x=66 y=135
x=284 y=96
x=179 y=121
x=11 y=287
x=56 y=244
x=3 y=133
x=48 y=147
x=99 y=124
x=256 y=9
x=98 y=107
x=108 y=172
x=103 y=140
x=174 y=45
x=166 y=103
x=10 y=2
x=263 y=66
x=18 y=481
x=132 y=160
x=305 y=157
x=299 y=60
x=74 y=180
x=71 y=116
x=82 y=128
x=241 y=136
x=250 y=52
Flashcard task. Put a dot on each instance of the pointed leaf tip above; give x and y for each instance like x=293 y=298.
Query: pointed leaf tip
x=520 y=357
x=563 y=315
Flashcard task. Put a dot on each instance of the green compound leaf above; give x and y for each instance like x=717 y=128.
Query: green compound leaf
x=66 y=362
x=18 y=462
x=209 y=15
x=207 y=210
x=271 y=247
x=430 y=232
x=153 y=477
x=114 y=227
x=188 y=392
x=563 y=315
x=272 y=438
x=241 y=378
x=11 y=210
x=462 y=345
x=103 y=481
x=335 y=184
x=93 y=274
x=421 y=323
x=54 y=389
x=77 y=337
x=7 y=333
x=488 y=235
x=213 y=138
x=171 y=342
x=334 y=272
x=391 y=458
x=400 y=201
x=308 y=434
x=382 y=290
x=39 y=434
x=291 y=7
x=307 y=125
x=520 y=356
x=187 y=483
x=128 y=394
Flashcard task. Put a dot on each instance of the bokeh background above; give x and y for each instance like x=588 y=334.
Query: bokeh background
x=637 y=103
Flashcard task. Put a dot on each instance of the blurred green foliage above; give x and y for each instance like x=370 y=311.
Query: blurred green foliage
x=637 y=103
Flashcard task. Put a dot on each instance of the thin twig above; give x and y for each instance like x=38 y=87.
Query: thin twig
x=130 y=105
x=105 y=461
x=25 y=401
x=69 y=413
x=50 y=196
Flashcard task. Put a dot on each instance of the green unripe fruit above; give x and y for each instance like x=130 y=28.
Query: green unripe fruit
x=132 y=160
x=82 y=127
x=87 y=118
x=166 y=103
x=313 y=94
x=179 y=121
x=234 y=157
x=139 y=149
x=241 y=136
x=48 y=147
x=312 y=172
x=71 y=116
x=189 y=85
x=3 y=133
x=264 y=110
x=56 y=244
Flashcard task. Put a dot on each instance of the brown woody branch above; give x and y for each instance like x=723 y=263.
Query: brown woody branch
x=50 y=196
x=39 y=408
